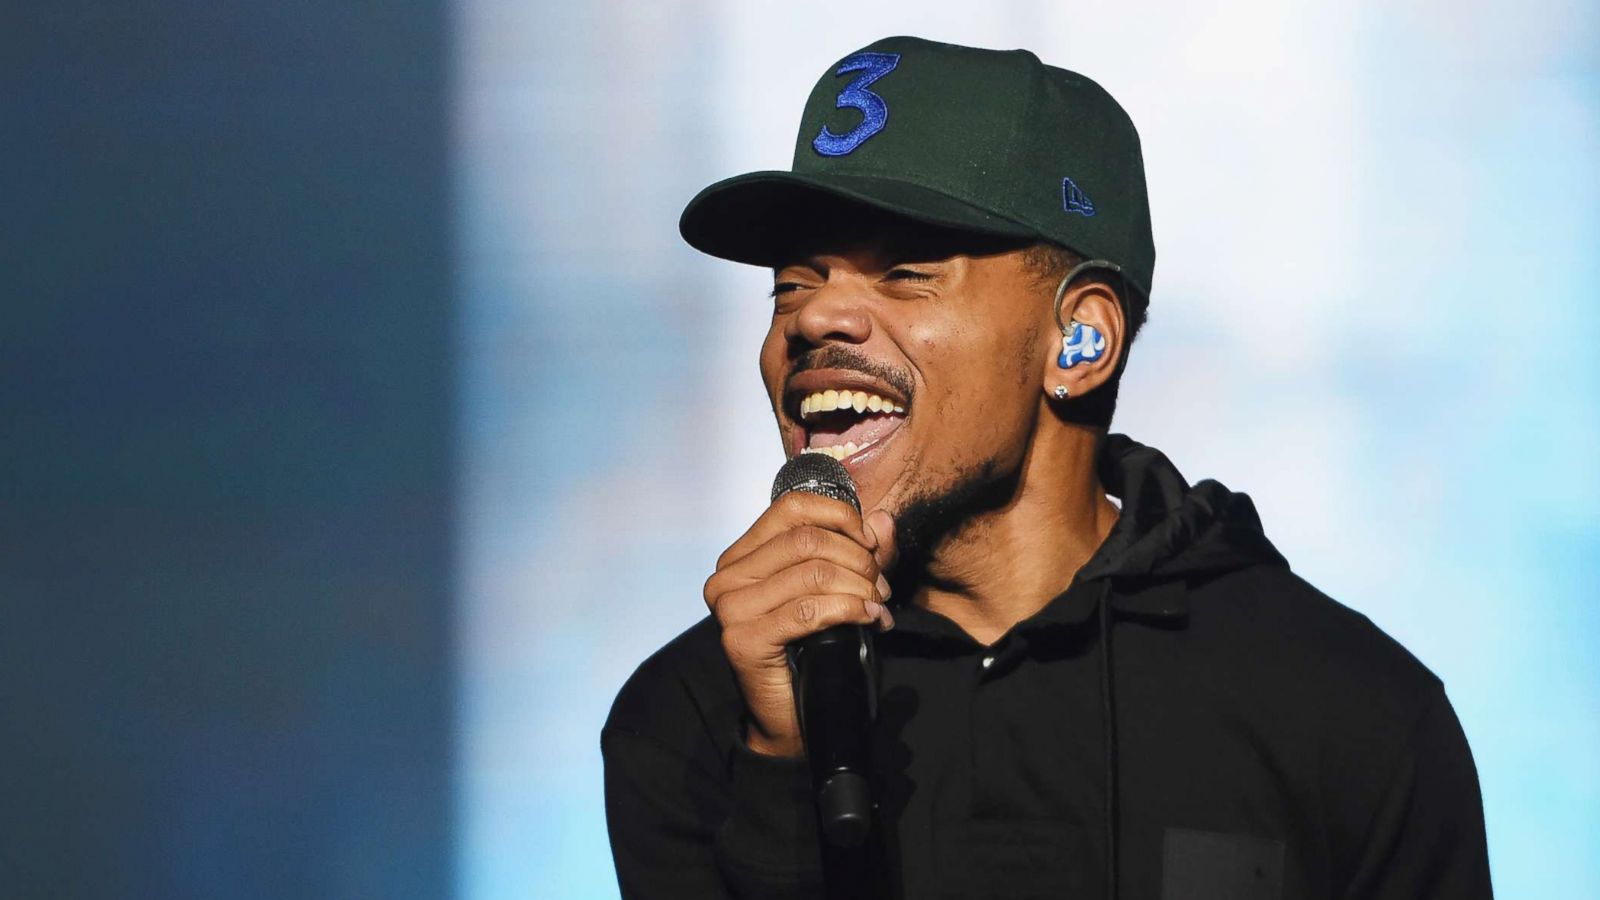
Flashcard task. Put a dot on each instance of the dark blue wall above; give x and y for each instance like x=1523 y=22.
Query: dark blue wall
x=225 y=450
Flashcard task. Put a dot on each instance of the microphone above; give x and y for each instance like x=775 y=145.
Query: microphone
x=835 y=690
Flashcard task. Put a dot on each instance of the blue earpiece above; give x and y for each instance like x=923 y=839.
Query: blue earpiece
x=1080 y=342
x=1084 y=343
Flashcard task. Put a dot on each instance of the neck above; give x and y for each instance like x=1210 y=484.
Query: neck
x=1006 y=563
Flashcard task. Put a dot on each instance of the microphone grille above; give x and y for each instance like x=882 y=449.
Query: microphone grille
x=816 y=473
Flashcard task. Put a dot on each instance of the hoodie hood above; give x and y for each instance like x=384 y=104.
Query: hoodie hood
x=1169 y=533
x=1169 y=529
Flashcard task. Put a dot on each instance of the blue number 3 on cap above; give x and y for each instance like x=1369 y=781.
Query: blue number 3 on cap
x=874 y=112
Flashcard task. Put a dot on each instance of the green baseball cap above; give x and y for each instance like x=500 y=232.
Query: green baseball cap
x=987 y=141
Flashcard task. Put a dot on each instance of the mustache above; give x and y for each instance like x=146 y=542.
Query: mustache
x=835 y=356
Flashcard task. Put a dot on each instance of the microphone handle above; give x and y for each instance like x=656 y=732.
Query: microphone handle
x=835 y=695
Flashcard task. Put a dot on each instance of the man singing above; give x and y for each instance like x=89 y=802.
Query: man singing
x=1094 y=678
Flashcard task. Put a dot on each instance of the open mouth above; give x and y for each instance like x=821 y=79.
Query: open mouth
x=844 y=422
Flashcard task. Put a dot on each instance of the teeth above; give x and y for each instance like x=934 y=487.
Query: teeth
x=840 y=451
x=860 y=401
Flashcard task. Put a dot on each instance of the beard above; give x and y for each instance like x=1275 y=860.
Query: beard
x=931 y=518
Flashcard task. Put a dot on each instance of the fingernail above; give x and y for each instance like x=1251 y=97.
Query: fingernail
x=887 y=622
x=875 y=609
x=883 y=587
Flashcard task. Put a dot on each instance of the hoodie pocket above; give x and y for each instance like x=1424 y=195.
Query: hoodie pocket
x=1209 y=865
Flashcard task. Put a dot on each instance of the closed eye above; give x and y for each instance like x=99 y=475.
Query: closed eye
x=784 y=287
x=899 y=274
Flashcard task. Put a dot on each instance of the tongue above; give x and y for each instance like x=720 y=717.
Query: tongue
x=843 y=430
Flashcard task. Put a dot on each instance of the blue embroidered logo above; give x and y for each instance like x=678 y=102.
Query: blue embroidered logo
x=874 y=112
x=1084 y=344
x=1074 y=200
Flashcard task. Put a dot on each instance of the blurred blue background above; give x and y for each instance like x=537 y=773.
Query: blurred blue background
x=227 y=461
x=366 y=421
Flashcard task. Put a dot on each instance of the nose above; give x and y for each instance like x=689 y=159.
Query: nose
x=833 y=312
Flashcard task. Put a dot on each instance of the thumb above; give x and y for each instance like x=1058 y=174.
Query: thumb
x=880 y=525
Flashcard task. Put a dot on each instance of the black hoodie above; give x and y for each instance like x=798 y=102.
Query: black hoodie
x=1189 y=719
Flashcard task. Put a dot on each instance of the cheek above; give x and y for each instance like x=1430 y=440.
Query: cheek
x=772 y=359
x=969 y=357
x=979 y=386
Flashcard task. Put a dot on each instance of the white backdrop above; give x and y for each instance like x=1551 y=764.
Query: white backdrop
x=1375 y=309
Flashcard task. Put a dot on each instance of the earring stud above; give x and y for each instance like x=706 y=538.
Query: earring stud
x=1061 y=392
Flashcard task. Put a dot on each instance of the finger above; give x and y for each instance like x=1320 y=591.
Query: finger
x=880 y=526
x=811 y=577
x=792 y=509
x=885 y=618
x=788 y=548
x=812 y=613
x=761 y=641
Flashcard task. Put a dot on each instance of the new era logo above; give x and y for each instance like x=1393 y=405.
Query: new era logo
x=1074 y=200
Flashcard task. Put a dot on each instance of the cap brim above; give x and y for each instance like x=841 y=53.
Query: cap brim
x=761 y=217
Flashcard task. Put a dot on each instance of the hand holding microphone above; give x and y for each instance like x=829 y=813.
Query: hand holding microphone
x=808 y=573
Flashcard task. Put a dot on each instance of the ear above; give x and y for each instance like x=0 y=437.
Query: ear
x=1093 y=303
